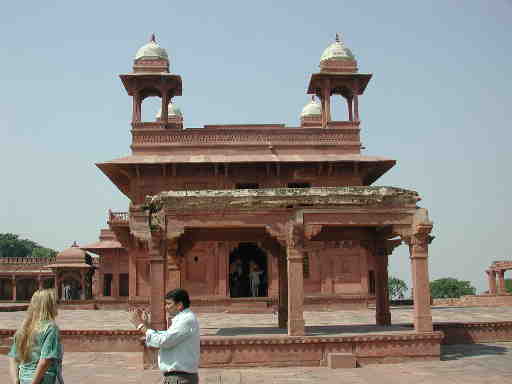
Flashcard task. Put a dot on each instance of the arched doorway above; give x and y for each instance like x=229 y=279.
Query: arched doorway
x=247 y=263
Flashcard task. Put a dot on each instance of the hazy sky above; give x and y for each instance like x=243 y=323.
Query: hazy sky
x=437 y=103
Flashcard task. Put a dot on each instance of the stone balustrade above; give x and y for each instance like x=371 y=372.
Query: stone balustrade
x=27 y=260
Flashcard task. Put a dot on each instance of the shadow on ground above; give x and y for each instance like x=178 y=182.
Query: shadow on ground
x=461 y=351
x=320 y=330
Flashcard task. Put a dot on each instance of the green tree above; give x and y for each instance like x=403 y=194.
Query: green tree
x=449 y=287
x=508 y=285
x=12 y=246
x=396 y=288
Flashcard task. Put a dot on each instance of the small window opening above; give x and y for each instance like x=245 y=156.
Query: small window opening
x=299 y=185
x=247 y=186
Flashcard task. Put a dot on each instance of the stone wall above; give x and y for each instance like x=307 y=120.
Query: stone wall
x=475 y=301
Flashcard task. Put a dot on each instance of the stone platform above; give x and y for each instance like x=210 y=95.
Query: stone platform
x=234 y=340
x=467 y=364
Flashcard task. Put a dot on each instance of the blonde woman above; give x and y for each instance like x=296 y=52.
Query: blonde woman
x=36 y=354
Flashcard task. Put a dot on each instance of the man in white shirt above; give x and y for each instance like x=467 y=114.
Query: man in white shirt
x=178 y=355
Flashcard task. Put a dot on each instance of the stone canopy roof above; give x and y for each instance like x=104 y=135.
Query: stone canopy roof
x=282 y=198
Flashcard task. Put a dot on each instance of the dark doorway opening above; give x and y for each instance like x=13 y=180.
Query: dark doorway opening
x=371 y=282
x=124 y=285
x=107 y=284
x=248 y=271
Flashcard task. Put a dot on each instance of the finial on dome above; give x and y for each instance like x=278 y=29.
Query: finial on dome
x=75 y=244
x=152 y=38
x=338 y=39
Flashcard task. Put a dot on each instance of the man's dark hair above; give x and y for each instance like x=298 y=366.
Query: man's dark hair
x=179 y=295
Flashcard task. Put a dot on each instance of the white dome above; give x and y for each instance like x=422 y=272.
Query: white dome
x=173 y=110
x=151 y=51
x=337 y=51
x=313 y=108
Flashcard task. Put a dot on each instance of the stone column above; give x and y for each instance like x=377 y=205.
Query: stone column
x=165 y=107
x=350 y=109
x=418 y=249
x=273 y=277
x=356 y=108
x=283 y=292
x=101 y=282
x=158 y=280
x=82 y=283
x=132 y=274
x=39 y=283
x=136 y=115
x=326 y=105
x=327 y=272
x=295 y=260
x=383 y=314
x=173 y=267
x=501 y=282
x=222 y=252
x=491 y=276
x=13 y=288
x=115 y=273
x=364 y=272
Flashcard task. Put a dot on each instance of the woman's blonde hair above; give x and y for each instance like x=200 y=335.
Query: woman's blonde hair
x=43 y=307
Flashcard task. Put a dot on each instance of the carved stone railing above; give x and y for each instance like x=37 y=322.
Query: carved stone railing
x=27 y=260
x=345 y=133
x=118 y=217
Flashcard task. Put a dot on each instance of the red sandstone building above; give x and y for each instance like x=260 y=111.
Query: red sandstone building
x=255 y=214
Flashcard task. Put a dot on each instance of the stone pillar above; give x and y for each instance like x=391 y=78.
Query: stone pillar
x=350 y=109
x=39 y=283
x=491 y=276
x=136 y=115
x=501 y=282
x=13 y=288
x=164 y=117
x=326 y=104
x=222 y=252
x=283 y=292
x=356 y=108
x=132 y=274
x=101 y=282
x=82 y=283
x=382 y=313
x=418 y=249
x=273 y=280
x=327 y=273
x=295 y=261
x=173 y=267
x=158 y=280
x=364 y=272
x=115 y=273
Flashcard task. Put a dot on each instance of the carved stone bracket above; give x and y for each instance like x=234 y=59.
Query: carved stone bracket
x=295 y=236
x=312 y=230
x=278 y=232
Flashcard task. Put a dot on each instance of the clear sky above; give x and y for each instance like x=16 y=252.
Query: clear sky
x=438 y=103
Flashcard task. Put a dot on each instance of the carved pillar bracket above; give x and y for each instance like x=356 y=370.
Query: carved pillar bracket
x=278 y=232
x=418 y=248
x=295 y=259
x=312 y=230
